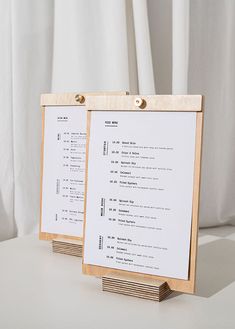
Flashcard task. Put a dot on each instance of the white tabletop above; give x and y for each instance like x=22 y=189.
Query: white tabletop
x=41 y=289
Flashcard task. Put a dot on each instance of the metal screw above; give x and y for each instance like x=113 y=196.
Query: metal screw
x=80 y=98
x=139 y=102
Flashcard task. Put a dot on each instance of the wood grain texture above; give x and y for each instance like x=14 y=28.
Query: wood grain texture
x=61 y=99
x=196 y=198
x=41 y=171
x=141 y=281
x=187 y=103
x=69 y=99
x=120 y=103
x=142 y=288
x=86 y=175
x=67 y=247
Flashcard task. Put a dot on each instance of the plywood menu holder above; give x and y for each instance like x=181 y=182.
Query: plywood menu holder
x=63 y=170
x=124 y=284
x=142 y=184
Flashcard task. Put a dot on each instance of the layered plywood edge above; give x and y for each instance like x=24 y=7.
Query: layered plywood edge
x=141 y=288
x=178 y=103
x=67 y=247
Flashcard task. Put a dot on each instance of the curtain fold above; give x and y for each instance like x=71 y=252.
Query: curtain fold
x=143 y=48
x=212 y=73
x=7 y=222
x=182 y=46
x=90 y=46
x=25 y=66
x=31 y=62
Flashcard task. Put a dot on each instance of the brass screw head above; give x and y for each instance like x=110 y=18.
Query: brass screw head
x=139 y=102
x=80 y=98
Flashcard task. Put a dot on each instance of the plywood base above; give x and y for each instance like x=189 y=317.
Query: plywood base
x=67 y=247
x=141 y=288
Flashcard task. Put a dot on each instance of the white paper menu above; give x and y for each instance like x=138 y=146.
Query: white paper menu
x=64 y=170
x=140 y=189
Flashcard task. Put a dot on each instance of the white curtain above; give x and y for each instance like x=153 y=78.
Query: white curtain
x=212 y=73
x=87 y=45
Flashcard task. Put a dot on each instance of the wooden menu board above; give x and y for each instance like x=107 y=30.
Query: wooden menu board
x=142 y=187
x=63 y=164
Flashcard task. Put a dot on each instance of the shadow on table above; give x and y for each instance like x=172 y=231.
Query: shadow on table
x=215 y=267
x=218 y=231
x=7 y=228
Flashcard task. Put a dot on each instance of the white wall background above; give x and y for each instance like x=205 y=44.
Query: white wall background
x=161 y=46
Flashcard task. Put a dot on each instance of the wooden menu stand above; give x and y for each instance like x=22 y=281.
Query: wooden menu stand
x=187 y=108
x=137 y=287
x=63 y=242
x=67 y=247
